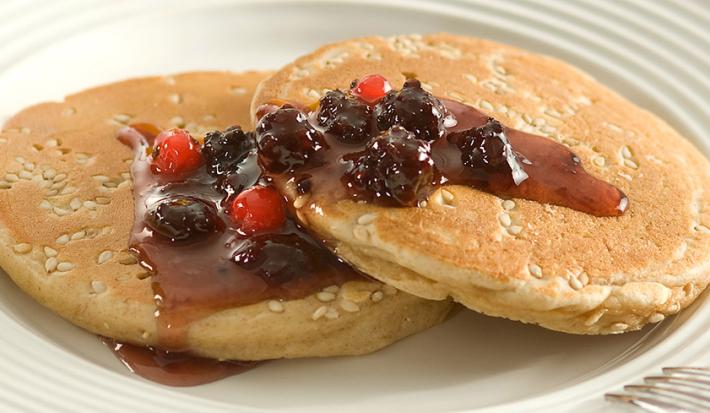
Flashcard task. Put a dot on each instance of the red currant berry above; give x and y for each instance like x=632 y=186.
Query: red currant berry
x=175 y=153
x=258 y=209
x=371 y=88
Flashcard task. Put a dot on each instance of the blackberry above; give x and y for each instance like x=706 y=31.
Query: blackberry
x=286 y=140
x=224 y=150
x=483 y=147
x=183 y=218
x=348 y=118
x=395 y=168
x=414 y=109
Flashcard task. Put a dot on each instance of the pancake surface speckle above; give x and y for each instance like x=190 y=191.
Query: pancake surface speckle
x=66 y=212
x=519 y=259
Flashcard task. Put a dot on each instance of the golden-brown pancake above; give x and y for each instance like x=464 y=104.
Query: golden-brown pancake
x=66 y=213
x=520 y=259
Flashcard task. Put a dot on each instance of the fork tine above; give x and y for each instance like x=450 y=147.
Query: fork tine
x=688 y=381
x=700 y=371
x=697 y=399
x=648 y=403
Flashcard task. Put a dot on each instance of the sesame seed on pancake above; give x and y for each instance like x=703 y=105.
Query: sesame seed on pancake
x=67 y=210
x=538 y=263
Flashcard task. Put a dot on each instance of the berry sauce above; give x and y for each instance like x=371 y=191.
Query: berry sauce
x=397 y=150
x=177 y=369
x=206 y=255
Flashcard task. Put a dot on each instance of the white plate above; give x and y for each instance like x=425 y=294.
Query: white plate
x=652 y=52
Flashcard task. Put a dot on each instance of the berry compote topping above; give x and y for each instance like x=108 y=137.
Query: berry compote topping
x=393 y=169
x=414 y=109
x=175 y=154
x=370 y=88
x=346 y=117
x=420 y=142
x=221 y=236
x=183 y=219
x=286 y=140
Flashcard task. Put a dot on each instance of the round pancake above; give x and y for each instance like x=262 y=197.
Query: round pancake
x=523 y=260
x=66 y=212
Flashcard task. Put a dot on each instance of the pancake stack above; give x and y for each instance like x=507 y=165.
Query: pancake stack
x=67 y=208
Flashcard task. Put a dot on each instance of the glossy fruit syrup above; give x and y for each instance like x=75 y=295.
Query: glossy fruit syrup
x=394 y=147
x=214 y=235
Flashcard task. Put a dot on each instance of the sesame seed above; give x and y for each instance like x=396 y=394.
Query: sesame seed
x=508 y=204
x=49 y=174
x=52 y=143
x=575 y=283
x=98 y=286
x=276 y=306
x=78 y=235
x=320 y=312
x=75 y=204
x=535 y=270
x=25 y=175
x=122 y=118
x=63 y=239
x=65 y=266
x=619 y=326
x=447 y=196
x=366 y=219
x=377 y=296
x=101 y=178
x=29 y=166
x=332 y=289
x=515 y=229
x=656 y=318
x=486 y=105
x=103 y=201
x=51 y=264
x=631 y=164
x=177 y=121
x=325 y=296
x=104 y=257
x=599 y=161
x=50 y=252
x=145 y=335
x=583 y=278
x=505 y=219
x=238 y=90
x=626 y=152
x=58 y=185
x=12 y=178
x=20 y=160
x=110 y=184
x=60 y=211
x=89 y=204
x=5 y=185
x=67 y=190
x=129 y=260
x=22 y=248
x=59 y=177
x=360 y=232
x=349 y=306
x=389 y=290
x=596 y=316
x=175 y=98
x=332 y=314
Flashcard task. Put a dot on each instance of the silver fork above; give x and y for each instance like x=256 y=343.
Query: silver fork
x=678 y=390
